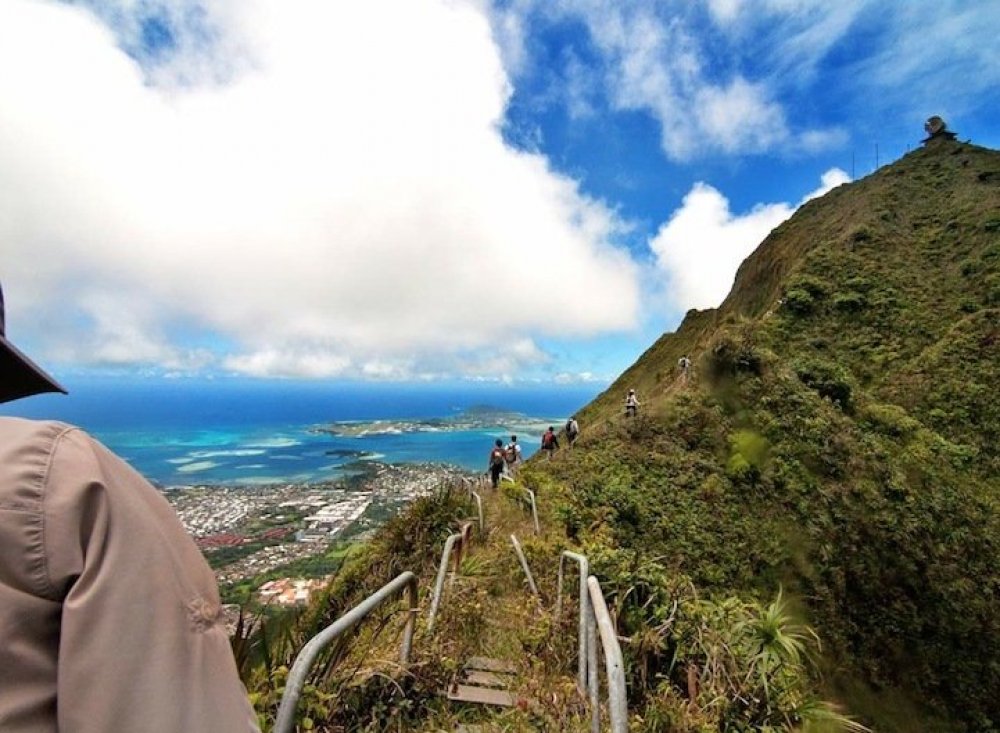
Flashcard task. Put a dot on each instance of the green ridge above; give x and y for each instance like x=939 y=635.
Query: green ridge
x=838 y=437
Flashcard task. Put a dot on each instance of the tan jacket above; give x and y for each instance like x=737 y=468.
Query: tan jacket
x=109 y=616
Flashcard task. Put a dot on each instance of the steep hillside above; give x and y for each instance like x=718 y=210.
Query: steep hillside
x=838 y=436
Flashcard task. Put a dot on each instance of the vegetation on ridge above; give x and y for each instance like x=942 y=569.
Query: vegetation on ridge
x=838 y=437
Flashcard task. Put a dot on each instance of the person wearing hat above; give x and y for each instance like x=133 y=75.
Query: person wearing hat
x=110 y=616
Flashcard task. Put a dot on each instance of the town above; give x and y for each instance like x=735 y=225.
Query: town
x=249 y=532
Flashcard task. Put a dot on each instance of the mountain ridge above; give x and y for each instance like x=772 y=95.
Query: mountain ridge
x=837 y=437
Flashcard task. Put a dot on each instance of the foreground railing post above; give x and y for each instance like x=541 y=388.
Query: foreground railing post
x=524 y=565
x=614 y=665
x=534 y=510
x=593 y=683
x=307 y=657
x=439 y=583
x=581 y=676
x=479 y=507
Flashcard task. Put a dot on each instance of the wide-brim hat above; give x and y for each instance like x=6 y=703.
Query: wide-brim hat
x=19 y=375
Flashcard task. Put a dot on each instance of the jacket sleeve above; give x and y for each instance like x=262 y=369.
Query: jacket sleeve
x=142 y=644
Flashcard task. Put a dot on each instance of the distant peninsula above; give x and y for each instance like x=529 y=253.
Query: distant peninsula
x=476 y=417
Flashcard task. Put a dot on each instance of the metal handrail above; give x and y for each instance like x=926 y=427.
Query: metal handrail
x=614 y=665
x=586 y=650
x=479 y=506
x=307 y=657
x=439 y=583
x=524 y=566
x=534 y=510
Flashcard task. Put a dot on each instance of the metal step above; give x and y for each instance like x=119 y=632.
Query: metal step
x=481 y=678
x=481 y=695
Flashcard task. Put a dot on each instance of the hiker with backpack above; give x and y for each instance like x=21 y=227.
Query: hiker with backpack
x=513 y=455
x=549 y=442
x=497 y=462
x=684 y=364
x=572 y=430
x=631 y=404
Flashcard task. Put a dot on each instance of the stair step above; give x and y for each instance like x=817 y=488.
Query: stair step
x=488 y=664
x=484 y=679
x=481 y=695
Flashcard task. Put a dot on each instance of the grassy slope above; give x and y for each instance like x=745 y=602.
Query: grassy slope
x=839 y=436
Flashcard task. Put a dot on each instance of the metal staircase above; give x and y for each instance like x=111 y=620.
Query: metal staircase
x=484 y=680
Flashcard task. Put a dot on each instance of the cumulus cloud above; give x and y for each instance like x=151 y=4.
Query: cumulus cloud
x=312 y=188
x=703 y=243
x=730 y=77
x=657 y=58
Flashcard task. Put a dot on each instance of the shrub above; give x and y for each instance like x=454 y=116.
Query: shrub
x=740 y=470
x=968 y=306
x=713 y=488
x=828 y=379
x=889 y=419
x=850 y=302
x=812 y=285
x=858 y=283
x=799 y=302
x=969 y=267
x=992 y=283
x=862 y=234
x=731 y=355
x=751 y=445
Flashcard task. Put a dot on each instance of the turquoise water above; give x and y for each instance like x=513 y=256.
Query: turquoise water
x=243 y=432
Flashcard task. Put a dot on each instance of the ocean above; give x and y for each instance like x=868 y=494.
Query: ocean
x=241 y=432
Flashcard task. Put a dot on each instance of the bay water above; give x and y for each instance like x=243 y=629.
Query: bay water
x=180 y=432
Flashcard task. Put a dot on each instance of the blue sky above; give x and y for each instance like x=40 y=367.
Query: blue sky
x=434 y=190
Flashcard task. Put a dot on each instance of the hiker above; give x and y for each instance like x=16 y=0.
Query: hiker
x=513 y=455
x=111 y=617
x=572 y=430
x=631 y=404
x=684 y=364
x=549 y=442
x=497 y=462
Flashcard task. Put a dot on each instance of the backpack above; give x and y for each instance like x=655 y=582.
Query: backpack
x=548 y=439
x=512 y=453
x=496 y=458
x=571 y=428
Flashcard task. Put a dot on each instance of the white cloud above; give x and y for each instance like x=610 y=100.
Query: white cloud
x=656 y=58
x=738 y=78
x=725 y=11
x=270 y=362
x=827 y=182
x=578 y=378
x=703 y=243
x=323 y=189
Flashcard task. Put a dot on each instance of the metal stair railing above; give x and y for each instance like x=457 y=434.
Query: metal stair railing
x=479 y=507
x=613 y=662
x=586 y=633
x=462 y=538
x=534 y=511
x=469 y=487
x=307 y=657
x=524 y=566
